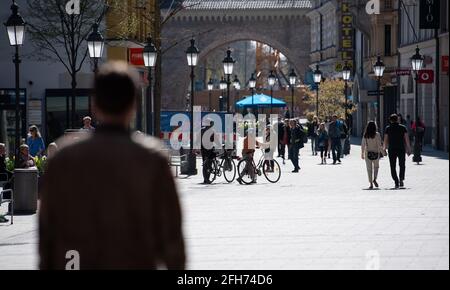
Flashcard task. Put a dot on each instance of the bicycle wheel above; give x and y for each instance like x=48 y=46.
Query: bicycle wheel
x=272 y=171
x=210 y=170
x=229 y=169
x=244 y=174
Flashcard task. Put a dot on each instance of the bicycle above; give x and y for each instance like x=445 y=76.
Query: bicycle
x=226 y=166
x=270 y=168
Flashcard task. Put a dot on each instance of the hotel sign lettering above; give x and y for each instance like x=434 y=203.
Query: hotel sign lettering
x=346 y=33
x=430 y=14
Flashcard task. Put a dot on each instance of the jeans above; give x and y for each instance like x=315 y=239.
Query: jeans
x=293 y=155
x=401 y=156
x=336 y=148
x=313 y=144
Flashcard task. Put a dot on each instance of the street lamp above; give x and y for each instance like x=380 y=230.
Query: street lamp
x=96 y=44
x=15 y=26
x=210 y=88
x=192 y=54
x=317 y=75
x=228 y=65
x=292 y=83
x=417 y=63
x=150 y=54
x=346 y=72
x=272 y=79
x=223 y=86
x=252 y=86
x=378 y=69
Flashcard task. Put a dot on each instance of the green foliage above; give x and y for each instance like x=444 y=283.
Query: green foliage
x=331 y=100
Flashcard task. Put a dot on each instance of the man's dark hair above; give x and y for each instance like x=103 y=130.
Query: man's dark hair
x=115 y=88
x=393 y=118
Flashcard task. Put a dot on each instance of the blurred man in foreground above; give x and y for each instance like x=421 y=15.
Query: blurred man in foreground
x=111 y=197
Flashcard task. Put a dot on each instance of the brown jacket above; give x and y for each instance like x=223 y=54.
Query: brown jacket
x=112 y=199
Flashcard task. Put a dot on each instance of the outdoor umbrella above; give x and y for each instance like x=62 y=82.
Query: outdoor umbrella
x=260 y=100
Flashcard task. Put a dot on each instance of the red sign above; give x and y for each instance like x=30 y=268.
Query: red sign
x=445 y=64
x=403 y=72
x=136 y=57
x=426 y=76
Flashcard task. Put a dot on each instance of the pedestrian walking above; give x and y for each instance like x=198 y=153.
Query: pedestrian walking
x=35 y=142
x=418 y=129
x=312 y=134
x=111 y=197
x=335 y=132
x=323 y=143
x=296 y=143
x=396 y=140
x=371 y=152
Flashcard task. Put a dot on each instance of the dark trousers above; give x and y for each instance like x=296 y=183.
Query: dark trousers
x=401 y=156
x=336 y=148
x=294 y=150
x=323 y=152
x=281 y=150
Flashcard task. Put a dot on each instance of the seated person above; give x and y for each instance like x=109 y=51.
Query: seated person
x=5 y=175
x=25 y=159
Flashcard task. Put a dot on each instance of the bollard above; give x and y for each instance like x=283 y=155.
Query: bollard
x=25 y=191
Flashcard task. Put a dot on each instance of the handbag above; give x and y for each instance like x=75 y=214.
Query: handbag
x=372 y=155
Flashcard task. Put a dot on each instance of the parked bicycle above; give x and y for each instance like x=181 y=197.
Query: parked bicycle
x=247 y=169
x=222 y=164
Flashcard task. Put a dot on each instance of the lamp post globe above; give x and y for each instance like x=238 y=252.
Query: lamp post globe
x=150 y=53
x=15 y=27
x=417 y=61
x=317 y=75
x=346 y=72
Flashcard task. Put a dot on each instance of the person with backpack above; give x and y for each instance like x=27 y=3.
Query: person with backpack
x=335 y=131
x=323 y=143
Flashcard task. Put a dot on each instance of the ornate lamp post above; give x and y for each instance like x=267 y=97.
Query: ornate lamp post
x=378 y=69
x=271 y=80
x=292 y=83
x=96 y=45
x=192 y=54
x=15 y=26
x=346 y=72
x=252 y=86
x=228 y=65
x=237 y=87
x=417 y=63
x=210 y=89
x=150 y=55
x=223 y=86
x=317 y=75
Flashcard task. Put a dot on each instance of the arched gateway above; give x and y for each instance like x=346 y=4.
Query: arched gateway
x=281 y=24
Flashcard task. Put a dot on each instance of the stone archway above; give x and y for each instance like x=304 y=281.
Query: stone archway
x=211 y=34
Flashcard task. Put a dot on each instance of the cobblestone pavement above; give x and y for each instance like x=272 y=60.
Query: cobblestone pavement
x=320 y=218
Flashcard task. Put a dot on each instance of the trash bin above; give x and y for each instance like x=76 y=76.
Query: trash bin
x=25 y=191
x=189 y=164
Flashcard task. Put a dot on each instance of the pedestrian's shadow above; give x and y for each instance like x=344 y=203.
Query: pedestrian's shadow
x=371 y=189
x=398 y=189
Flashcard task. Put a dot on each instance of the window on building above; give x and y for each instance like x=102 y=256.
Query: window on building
x=387 y=40
x=444 y=16
x=388 y=4
x=410 y=85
